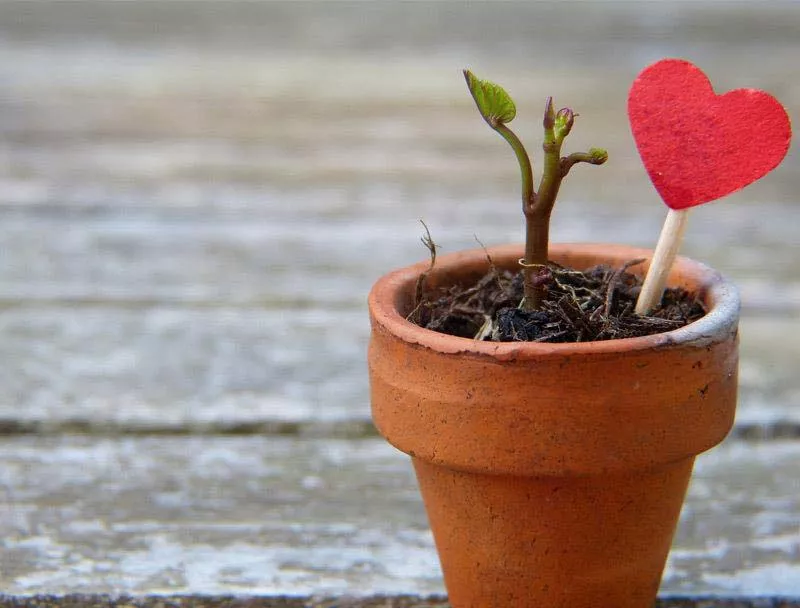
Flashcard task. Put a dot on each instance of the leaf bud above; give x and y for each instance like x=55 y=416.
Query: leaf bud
x=549 y=114
x=598 y=156
x=563 y=123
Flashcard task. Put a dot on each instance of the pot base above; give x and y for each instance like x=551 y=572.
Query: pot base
x=549 y=542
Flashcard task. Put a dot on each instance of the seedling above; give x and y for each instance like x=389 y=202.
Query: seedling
x=498 y=109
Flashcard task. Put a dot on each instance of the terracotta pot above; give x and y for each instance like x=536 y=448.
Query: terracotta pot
x=552 y=474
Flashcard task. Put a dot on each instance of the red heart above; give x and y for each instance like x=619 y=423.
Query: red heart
x=698 y=146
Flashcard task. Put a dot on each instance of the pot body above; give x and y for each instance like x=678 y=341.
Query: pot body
x=552 y=474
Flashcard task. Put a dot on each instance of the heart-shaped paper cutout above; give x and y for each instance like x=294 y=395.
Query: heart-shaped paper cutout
x=698 y=146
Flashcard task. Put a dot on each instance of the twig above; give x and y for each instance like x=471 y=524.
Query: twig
x=432 y=248
x=613 y=282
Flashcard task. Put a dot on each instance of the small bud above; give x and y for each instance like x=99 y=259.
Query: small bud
x=549 y=114
x=542 y=277
x=598 y=155
x=564 y=121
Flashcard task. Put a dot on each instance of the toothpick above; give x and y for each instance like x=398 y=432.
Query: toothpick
x=667 y=248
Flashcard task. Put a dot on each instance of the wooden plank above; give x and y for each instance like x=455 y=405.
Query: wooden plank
x=372 y=601
x=267 y=515
x=286 y=252
x=114 y=369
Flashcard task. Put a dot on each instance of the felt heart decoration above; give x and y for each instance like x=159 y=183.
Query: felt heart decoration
x=698 y=146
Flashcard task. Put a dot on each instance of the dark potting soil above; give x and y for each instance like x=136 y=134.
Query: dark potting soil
x=596 y=304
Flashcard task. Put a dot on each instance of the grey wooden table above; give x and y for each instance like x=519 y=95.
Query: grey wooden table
x=377 y=601
x=194 y=200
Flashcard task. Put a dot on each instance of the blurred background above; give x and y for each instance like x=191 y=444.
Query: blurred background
x=196 y=196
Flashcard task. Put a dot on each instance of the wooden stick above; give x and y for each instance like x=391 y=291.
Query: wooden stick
x=667 y=248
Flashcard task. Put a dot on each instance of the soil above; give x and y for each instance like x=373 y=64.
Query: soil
x=579 y=306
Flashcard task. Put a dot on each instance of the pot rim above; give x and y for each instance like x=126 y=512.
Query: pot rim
x=720 y=296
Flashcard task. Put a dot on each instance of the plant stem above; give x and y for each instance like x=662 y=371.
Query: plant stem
x=525 y=165
x=539 y=208
x=537 y=224
x=551 y=175
x=537 y=237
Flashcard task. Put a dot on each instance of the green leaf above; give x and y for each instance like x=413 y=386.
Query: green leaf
x=494 y=104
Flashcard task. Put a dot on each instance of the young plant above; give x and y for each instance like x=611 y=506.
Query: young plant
x=498 y=109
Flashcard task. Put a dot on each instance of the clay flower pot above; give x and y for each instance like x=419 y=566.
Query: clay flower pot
x=552 y=474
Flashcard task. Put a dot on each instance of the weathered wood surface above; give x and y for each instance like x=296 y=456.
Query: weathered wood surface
x=378 y=601
x=194 y=200
x=100 y=368
x=268 y=515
